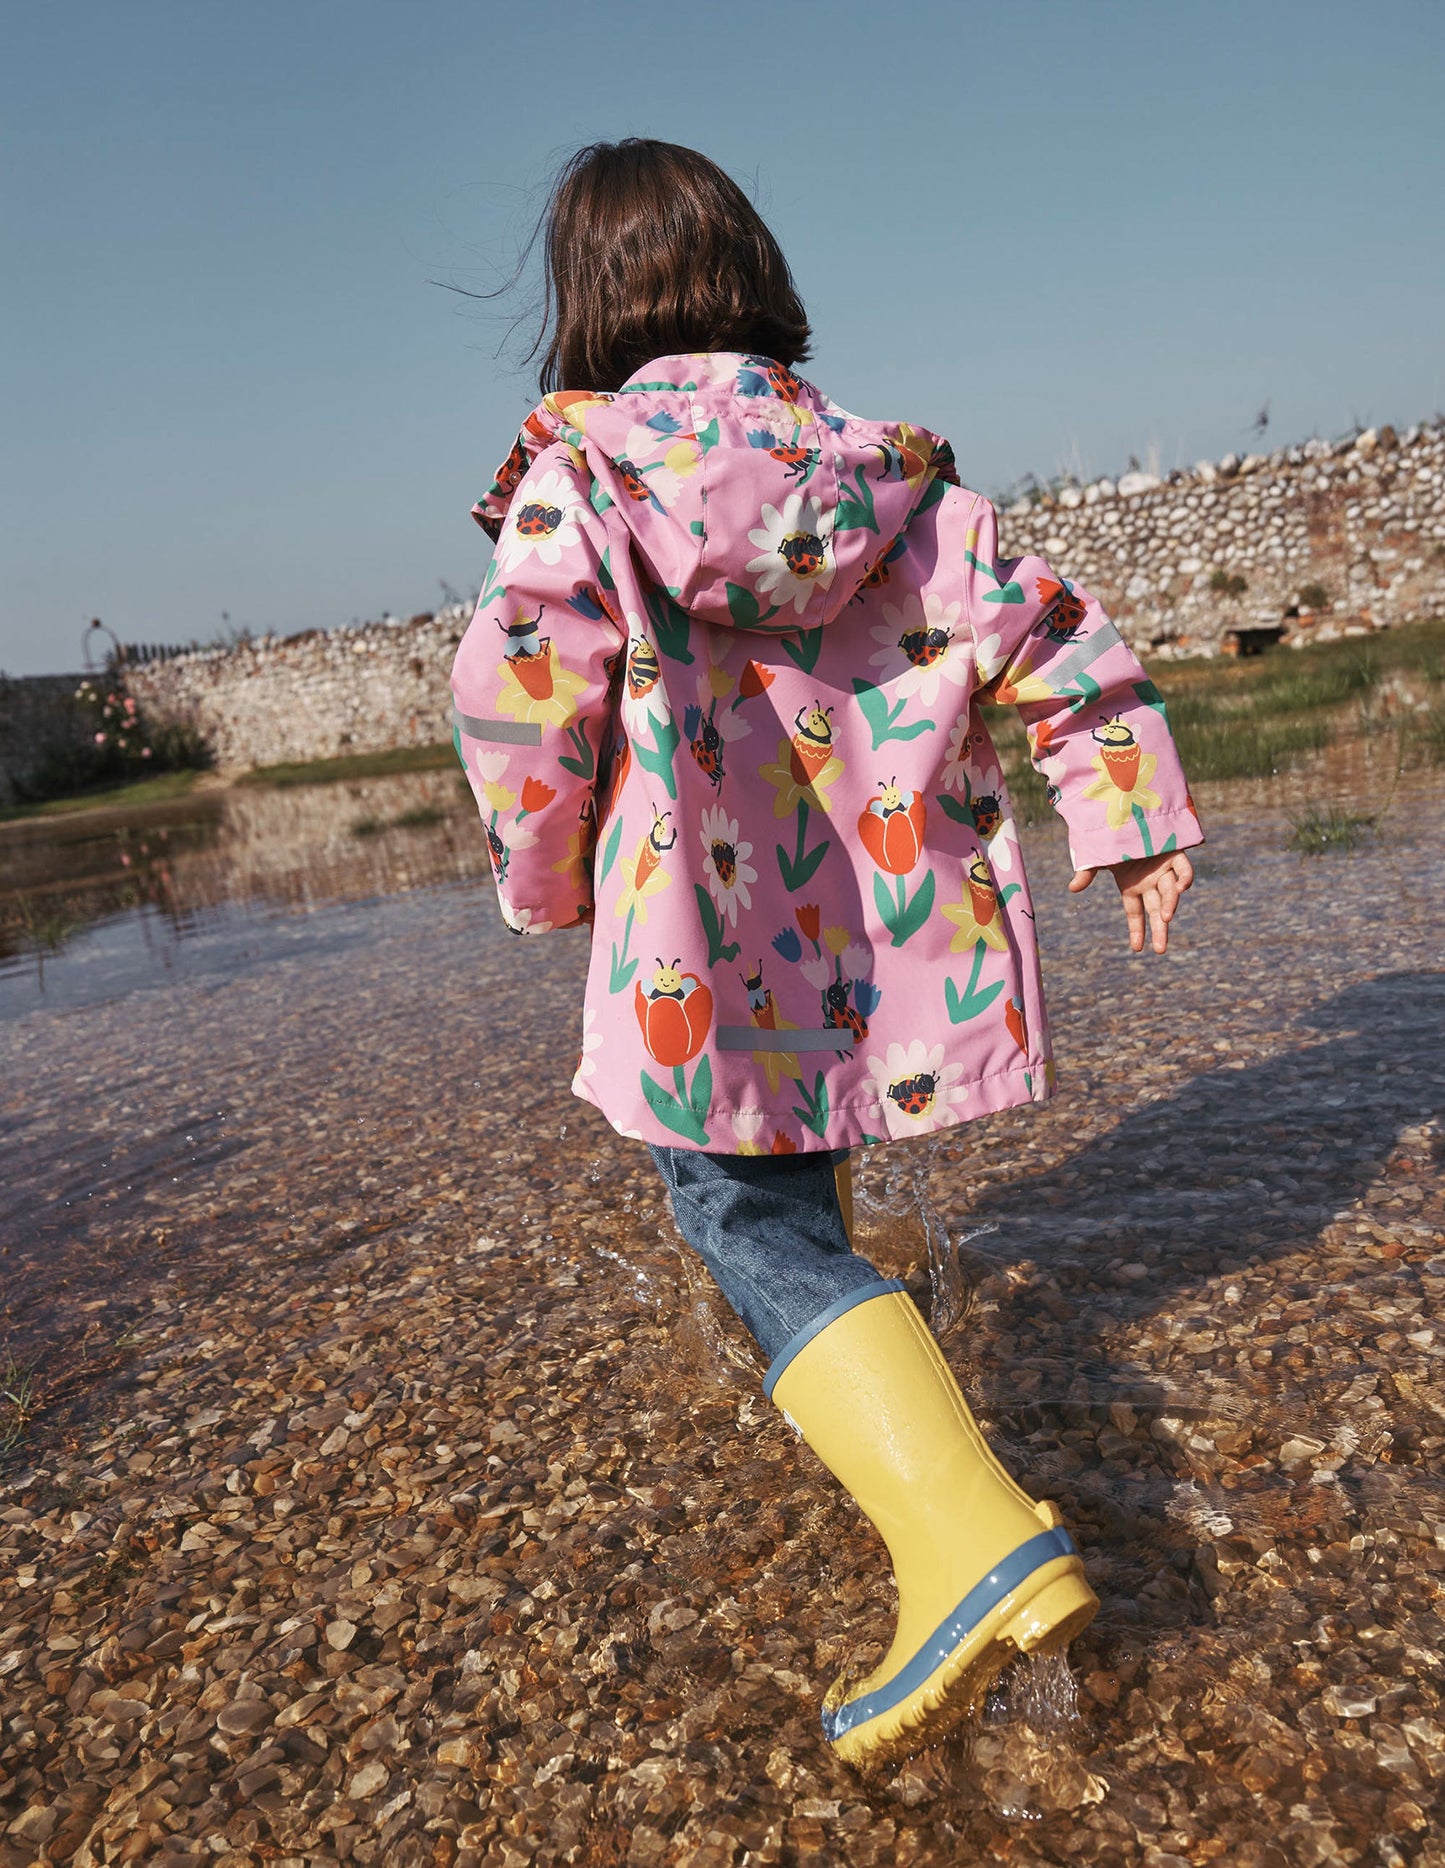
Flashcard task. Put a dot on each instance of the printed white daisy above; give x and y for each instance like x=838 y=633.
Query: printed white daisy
x=541 y=522
x=989 y=658
x=921 y=646
x=915 y=1089
x=725 y=863
x=796 y=550
x=591 y=1041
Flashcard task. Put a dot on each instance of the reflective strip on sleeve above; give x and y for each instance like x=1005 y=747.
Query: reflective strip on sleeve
x=758 y=1038
x=510 y=732
x=1084 y=655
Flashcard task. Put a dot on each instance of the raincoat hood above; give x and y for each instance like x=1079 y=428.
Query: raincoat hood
x=750 y=496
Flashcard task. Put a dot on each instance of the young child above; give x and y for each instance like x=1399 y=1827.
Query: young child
x=720 y=701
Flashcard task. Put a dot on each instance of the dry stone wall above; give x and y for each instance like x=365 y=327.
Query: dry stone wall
x=40 y=717
x=316 y=696
x=1327 y=538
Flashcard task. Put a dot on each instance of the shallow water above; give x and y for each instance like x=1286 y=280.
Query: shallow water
x=285 y=1108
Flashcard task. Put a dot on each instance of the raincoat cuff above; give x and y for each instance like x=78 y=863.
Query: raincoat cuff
x=1163 y=831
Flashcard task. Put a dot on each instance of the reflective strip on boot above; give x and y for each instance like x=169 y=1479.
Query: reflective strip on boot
x=985 y=1595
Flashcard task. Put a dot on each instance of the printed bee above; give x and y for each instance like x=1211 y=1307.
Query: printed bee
x=1120 y=752
x=914 y=1095
x=523 y=640
x=643 y=669
x=668 y=982
x=812 y=741
x=654 y=847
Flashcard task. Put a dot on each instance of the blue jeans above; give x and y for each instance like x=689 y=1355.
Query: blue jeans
x=770 y=1230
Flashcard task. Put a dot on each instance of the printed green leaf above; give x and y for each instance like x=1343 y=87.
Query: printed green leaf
x=609 y=849
x=1084 y=695
x=1151 y=697
x=743 y=606
x=707 y=437
x=671 y=625
x=804 y=648
x=951 y=807
x=902 y=917
x=962 y=1006
x=1006 y=593
x=713 y=927
x=797 y=870
x=620 y=977
x=695 y=526
x=855 y=511
x=584 y=765
x=659 y=760
x=599 y=498
x=700 y=1096
x=604 y=570
x=813 y=1110
x=882 y=719
x=676 y=1116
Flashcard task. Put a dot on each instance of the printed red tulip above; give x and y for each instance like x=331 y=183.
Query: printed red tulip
x=673 y=1029
x=892 y=831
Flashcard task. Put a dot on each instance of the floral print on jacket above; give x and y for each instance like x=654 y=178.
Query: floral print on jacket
x=721 y=700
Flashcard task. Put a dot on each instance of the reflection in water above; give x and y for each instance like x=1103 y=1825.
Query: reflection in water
x=104 y=902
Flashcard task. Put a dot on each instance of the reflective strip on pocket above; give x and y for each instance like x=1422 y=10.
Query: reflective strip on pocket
x=758 y=1038
x=510 y=732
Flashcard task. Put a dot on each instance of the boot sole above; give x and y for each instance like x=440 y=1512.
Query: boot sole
x=1041 y=1616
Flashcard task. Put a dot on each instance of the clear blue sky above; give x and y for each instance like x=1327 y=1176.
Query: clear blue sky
x=1058 y=233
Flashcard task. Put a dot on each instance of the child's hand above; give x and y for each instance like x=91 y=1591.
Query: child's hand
x=1150 y=885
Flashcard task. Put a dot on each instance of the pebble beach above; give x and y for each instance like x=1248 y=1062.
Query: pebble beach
x=395 y=1489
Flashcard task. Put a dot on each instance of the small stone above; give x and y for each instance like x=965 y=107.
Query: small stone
x=1347 y=1702
x=340 y=1634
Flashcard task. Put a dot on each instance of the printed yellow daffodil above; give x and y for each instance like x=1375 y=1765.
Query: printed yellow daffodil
x=1124 y=770
x=978 y=916
x=498 y=796
x=805 y=767
x=537 y=687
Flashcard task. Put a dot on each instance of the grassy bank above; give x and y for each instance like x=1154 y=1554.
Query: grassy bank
x=435 y=758
x=157 y=790
x=1271 y=713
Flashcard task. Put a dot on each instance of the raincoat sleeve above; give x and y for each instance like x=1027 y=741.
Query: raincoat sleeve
x=1097 y=730
x=531 y=692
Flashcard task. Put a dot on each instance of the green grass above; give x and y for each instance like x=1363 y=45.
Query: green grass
x=17 y=1401
x=1333 y=828
x=419 y=817
x=435 y=758
x=155 y=790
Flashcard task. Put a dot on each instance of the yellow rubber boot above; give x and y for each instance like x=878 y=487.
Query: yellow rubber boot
x=983 y=1572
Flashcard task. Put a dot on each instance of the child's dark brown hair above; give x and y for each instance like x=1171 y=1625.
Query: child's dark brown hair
x=651 y=249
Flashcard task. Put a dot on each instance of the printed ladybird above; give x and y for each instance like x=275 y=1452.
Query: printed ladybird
x=538 y=521
x=1066 y=618
x=923 y=647
x=802 y=552
x=632 y=479
x=913 y=1094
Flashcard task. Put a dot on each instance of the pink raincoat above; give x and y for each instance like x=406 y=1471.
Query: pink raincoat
x=721 y=699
